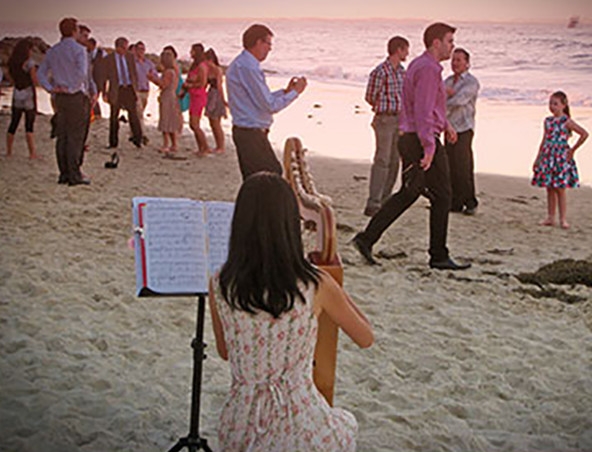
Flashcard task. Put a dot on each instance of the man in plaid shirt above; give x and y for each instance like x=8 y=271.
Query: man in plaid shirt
x=383 y=93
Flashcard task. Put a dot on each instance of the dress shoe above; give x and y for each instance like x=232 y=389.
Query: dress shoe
x=448 y=264
x=62 y=180
x=364 y=249
x=83 y=181
x=145 y=140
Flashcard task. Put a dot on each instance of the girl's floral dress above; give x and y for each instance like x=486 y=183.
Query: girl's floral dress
x=273 y=405
x=554 y=169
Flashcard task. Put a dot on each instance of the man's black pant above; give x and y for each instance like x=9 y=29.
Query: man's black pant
x=86 y=128
x=462 y=178
x=254 y=151
x=433 y=183
x=70 y=130
x=126 y=100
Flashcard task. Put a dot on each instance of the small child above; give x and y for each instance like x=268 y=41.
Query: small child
x=554 y=167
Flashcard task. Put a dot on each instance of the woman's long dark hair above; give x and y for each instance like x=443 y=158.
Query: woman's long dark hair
x=266 y=258
x=198 y=55
x=211 y=56
x=20 y=54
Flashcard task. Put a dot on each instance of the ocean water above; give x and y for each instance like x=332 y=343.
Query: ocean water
x=516 y=64
x=521 y=63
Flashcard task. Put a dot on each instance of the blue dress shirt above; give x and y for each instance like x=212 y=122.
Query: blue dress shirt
x=65 y=65
x=251 y=102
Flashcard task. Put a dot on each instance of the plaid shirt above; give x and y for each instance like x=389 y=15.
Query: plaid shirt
x=384 y=88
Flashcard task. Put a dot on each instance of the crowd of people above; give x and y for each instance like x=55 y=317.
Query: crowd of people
x=77 y=72
x=266 y=300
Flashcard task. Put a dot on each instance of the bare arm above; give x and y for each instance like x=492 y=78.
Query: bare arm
x=332 y=299
x=536 y=160
x=583 y=135
x=217 y=323
x=34 y=76
x=220 y=82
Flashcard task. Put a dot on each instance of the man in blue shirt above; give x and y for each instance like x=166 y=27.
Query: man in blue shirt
x=64 y=72
x=252 y=104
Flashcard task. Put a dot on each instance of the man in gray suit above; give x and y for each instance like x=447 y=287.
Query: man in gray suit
x=121 y=84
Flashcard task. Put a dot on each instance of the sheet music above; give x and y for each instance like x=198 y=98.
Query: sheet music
x=219 y=220
x=179 y=243
x=175 y=247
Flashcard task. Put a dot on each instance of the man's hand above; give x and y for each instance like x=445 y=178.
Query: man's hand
x=451 y=135
x=450 y=91
x=426 y=161
x=297 y=84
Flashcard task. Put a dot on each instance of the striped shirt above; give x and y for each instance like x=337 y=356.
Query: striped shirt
x=460 y=107
x=384 y=88
x=65 y=66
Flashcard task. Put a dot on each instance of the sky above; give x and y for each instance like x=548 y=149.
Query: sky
x=470 y=10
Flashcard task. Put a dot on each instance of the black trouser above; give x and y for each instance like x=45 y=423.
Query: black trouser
x=254 y=151
x=86 y=127
x=462 y=179
x=126 y=99
x=433 y=183
x=70 y=129
x=16 y=118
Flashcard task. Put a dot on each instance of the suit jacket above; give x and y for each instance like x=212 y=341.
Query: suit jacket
x=111 y=78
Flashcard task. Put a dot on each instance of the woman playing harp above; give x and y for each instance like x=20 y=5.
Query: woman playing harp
x=265 y=306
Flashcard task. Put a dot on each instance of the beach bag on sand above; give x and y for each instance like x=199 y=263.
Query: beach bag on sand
x=183 y=96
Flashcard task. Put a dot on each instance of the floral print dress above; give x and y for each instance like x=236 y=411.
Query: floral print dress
x=554 y=169
x=273 y=405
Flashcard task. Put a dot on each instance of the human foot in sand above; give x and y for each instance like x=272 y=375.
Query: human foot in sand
x=547 y=222
x=564 y=224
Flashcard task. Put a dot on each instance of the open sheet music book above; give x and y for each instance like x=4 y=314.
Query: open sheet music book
x=179 y=244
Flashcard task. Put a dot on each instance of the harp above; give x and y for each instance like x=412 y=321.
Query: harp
x=317 y=213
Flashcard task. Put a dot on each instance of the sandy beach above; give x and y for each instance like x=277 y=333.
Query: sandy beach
x=469 y=361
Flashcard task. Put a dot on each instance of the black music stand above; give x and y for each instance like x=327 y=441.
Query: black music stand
x=193 y=442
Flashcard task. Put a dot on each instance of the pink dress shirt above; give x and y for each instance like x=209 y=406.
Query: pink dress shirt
x=424 y=101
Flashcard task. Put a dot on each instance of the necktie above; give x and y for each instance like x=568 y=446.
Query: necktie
x=124 y=77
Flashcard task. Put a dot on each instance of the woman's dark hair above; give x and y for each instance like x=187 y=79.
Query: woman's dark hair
x=563 y=98
x=266 y=258
x=211 y=56
x=20 y=54
x=198 y=54
x=172 y=49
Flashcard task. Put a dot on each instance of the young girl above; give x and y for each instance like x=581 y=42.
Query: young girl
x=554 y=166
x=265 y=306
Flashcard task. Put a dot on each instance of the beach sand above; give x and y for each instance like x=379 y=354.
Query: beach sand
x=462 y=361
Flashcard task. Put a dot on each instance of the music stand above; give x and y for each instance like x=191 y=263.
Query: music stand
x=193 y=442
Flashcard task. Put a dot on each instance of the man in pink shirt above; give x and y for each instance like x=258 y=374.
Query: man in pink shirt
x=425 y=165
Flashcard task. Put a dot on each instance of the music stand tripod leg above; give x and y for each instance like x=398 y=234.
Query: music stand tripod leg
x=193 y=442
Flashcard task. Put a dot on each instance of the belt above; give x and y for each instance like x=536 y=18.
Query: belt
x=143 y=90
x=251 y=129
x=386 y=113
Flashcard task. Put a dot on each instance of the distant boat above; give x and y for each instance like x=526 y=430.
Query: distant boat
x=573 y=22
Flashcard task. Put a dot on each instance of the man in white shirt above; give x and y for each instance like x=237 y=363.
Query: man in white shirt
x=461 y=91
